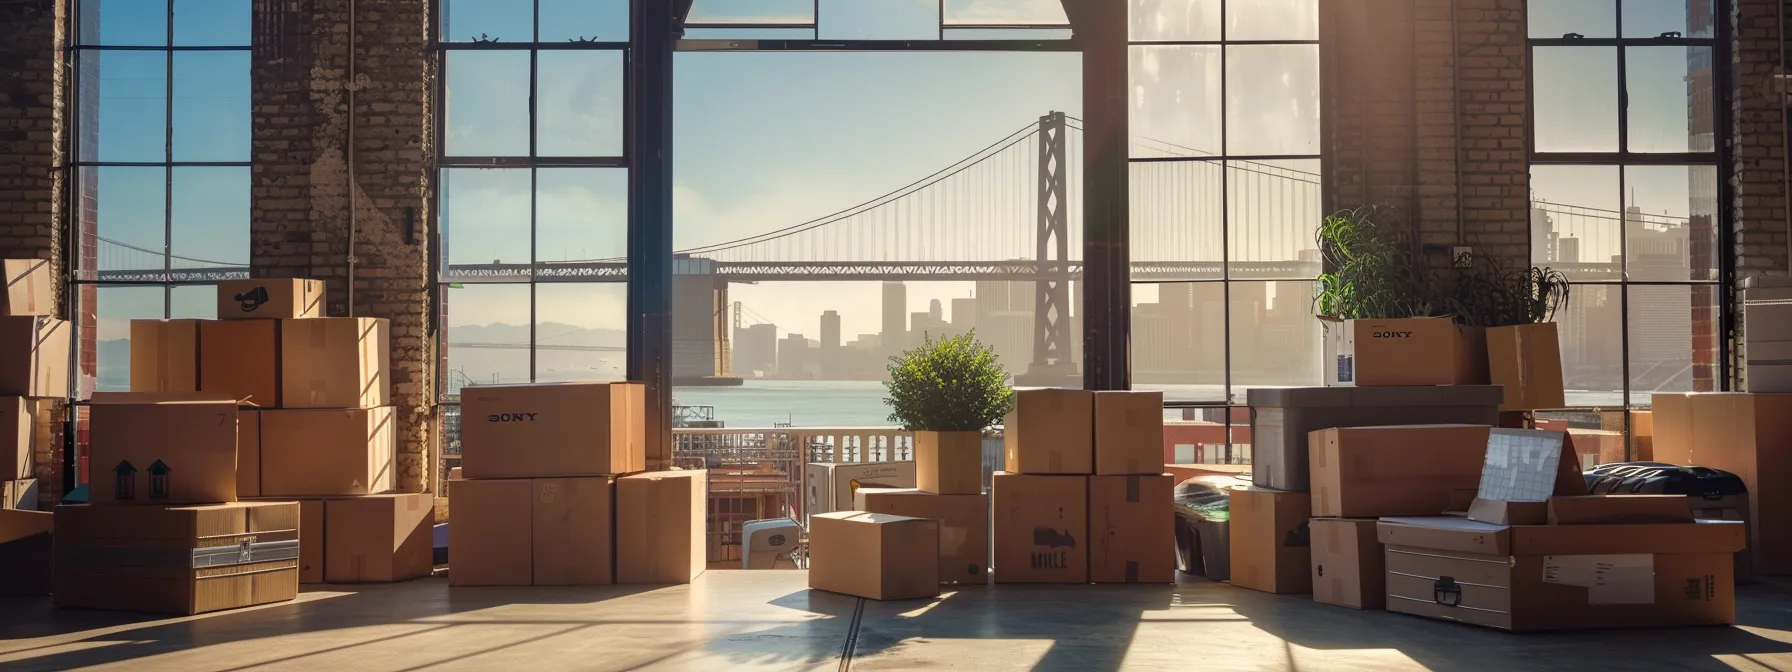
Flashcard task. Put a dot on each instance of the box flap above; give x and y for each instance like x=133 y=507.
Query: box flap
x=1529 y=465
x=1705 y=536
x=1447 y=533
x=1619 y=509
x=1499 y=512
x=1298 y=396
x=163 y=398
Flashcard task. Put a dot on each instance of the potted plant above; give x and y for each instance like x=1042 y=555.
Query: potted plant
x=1518 y=308
x=947 y=392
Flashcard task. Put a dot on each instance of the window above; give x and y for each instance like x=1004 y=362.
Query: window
x=160 y=192
x=1625 y=182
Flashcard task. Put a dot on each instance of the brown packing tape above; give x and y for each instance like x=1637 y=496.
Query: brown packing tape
x=1524 y=363
x=31 y=288
x=1132 y=490
x=1132 y=465
x=1132 y=571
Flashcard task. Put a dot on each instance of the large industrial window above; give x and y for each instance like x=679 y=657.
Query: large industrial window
x=1626 y=182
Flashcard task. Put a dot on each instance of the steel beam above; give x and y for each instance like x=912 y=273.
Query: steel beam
x=649 y=148
x=1107 y=296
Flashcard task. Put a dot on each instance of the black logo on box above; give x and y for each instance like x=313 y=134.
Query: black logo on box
x=126 y=485
x=510 y=417
x=158 y=480
x=253 y=299
x=1300 y=537
x=1056 y=541
x=1391 y=334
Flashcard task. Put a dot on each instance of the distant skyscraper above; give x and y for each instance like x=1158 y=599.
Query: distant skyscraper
x=895 y=314
x=755 y=349
x=830 y=344
x=1568 y=250
x=964 y=315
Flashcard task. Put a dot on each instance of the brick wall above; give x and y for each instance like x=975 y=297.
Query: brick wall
x=31 y=90
x=1758 y=163
x=302 y=184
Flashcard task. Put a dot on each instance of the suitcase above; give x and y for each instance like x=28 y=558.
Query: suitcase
x=1715 y=494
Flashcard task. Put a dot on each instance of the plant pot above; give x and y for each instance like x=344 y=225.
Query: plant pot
x=1526 y=360
x=949 y=463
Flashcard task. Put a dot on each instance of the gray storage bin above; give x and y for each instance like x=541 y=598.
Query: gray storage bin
x=1281 y=419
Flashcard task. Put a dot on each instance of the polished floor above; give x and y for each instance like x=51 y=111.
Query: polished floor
x=738 y=620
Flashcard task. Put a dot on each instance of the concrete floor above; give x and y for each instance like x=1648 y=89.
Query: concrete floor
x=738 y=620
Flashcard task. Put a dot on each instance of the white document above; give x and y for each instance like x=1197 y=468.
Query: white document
x=1609 y=579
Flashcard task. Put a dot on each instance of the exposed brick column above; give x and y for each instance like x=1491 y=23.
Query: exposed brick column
x=1366 y=51
x=302 y=178
x=31 y=96
x=1495 y=187
x=1758 y=157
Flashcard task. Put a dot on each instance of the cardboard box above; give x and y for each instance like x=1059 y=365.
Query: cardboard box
x=1593 y=447
x=25 y=552
x=1282 y=419
x=1271 y=546
x=1749 y=435
x=1129 y=433
x=20 y=494
x=1526 y=360
x=17 y=452
x=550 y=429
x=874 y=555
x=325 y=452
x=660 y=526
x=1409 y=351
x=1642 y=436
x=1550 y=577
x=1050 y=432
x=1347 y=563
x=949 y=463
x=1041 y=527
x=312 y=517
x=270 y=298
x=1506 y=512
x=177 y=560
x=29 y=288
x=379 y=538
x=964 y=526
x=335 y=362
x=830 y=487
x=1523 y=469
x=1362 y=472
x=162 y=449
x=241 y=358
x=1619 y=510
x=491 y=539
x=34 y=356
x=248 y=452
x=1132 y=529
x=164 y=355
x=572 y=531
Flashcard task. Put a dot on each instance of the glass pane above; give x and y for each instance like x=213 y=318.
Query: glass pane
x=1176 y=101
x=877 y=20
x=580 y=113
x=1574 y=220
x=211 y=218
x=212 y=23
x=1590 y=328
x=1653 y=18
x=1175 y=20
x=124 y=110
x=488 y=103
x=1006 y=13
x=114 y=309
x=1273 y=209
x=485 y=222
x=487 y=335
x=211 y=106
x=1275 y=338
x=195 y=302
x=1669 y=217
x=749 y=33
x=581 y=219
x=1272 y=100
x=123 y=208
x=753 y=11
x=1671 y=99
x=1576 y=99
x=1007 y=34
x=1176 y=214
x=486 y=20
x=579 y=331
x=1272 y=20
x=1673 y=339
x=124 y=23
x=587 y=20
x=1178 y=340
x=1590 y=18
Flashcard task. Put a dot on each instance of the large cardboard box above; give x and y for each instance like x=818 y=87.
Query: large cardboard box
x=1271 y=544
x=949 y=463
x=830 y=487
x=572 y=531
x=1409 y=351
x=1619 y=509
x=1526 y=360
x=1364 y=472
x=379 y=538
x=335 y=362
x=25 y=552
x=28 y=288
x=178 y=560
x=323 y=452
x=1132 y=529
x=490 y=542
x=1746 y=434
x=269 y=298
x=162 y=449
x=1129 y=433
x=1050 y=432
x=1562 y=577
x=874 y=555
x=551 y=429
x=248 y=452
x=17 y=452
x=1041 y=528
x=660 y=526
x=164 y=355
x=19 y=494
x=1282 y=418
x=241 y=358
x=1347 y=563
x=34 y=356
x=964 y=526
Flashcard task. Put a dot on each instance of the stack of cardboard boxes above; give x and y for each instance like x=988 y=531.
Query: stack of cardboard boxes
x=34 y=357
x=948 y=469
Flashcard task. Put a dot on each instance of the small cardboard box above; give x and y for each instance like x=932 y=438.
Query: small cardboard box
x=1050 y=432
x=1363 y=472
x=964 y=526
x=270 y=298
x=248 y=452
x=28 y=288
x=1129 y=433
x=572 y=532
x=660 y=519
x=491 y=539
x=20 y=494
x=241 y=358
x=241 y=554
x=551 y=429
x=1132 y=529
x=1409 y=351
x=1749 y=435
x=379 y=538
x=335 y=362
x=1642 y=436
x=17 y=454
x=162 y=449
x=830 y=487
x=1619 y=509
x=874 y=555
x=949 y=463
x=1347 y=563
x=164 y=355
x=34 y=356
x=327 y=452
x=25 y=552
x=1527 y=360
x=1041 y=527
x=1271 y=546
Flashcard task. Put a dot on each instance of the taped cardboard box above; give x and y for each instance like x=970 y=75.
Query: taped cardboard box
x=162 y=449
x=1347 y=563
x=964 y=526
x=1270 y=541
x=532 y=531
x=1040 y=527
x=17 y=452
x=327 y=452
x=949 y=463
x=25 y=547
x=248 y=452
x=1526 y=359
x=176 y=560
x=311 y=538
x=551 y=429
x=20 y=494
x=830 y=487
x=335 y=362
x=1050 y=432
x=572 y=533
x=1522 y=470
x=241 y=358
x=1129 y=433
x=34 y=356
x=1282 y=420
x=1749 y=435
x=1619 y=509
x=1409 y=351
x=1361 y=472
x=270 y=298
x=378 y=538
x=660 y=519
x=874 y=555
x=28 y=288
x=164 y=355
x=1132 y=529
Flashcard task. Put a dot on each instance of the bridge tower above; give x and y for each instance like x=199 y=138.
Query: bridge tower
x=1053 y=364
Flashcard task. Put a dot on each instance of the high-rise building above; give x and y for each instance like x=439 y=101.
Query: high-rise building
x=1543 y=237
x=755 y=350
x=829 y=363
x=964 y=315
x=894 y=335
x=1567 y=250
x=795 y=358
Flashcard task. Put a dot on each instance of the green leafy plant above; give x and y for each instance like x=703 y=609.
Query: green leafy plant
x=1371 y=270
x=954 y=384
x=1490 y=295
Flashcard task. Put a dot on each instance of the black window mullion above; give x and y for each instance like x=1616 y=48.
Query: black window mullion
x=168 y=168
